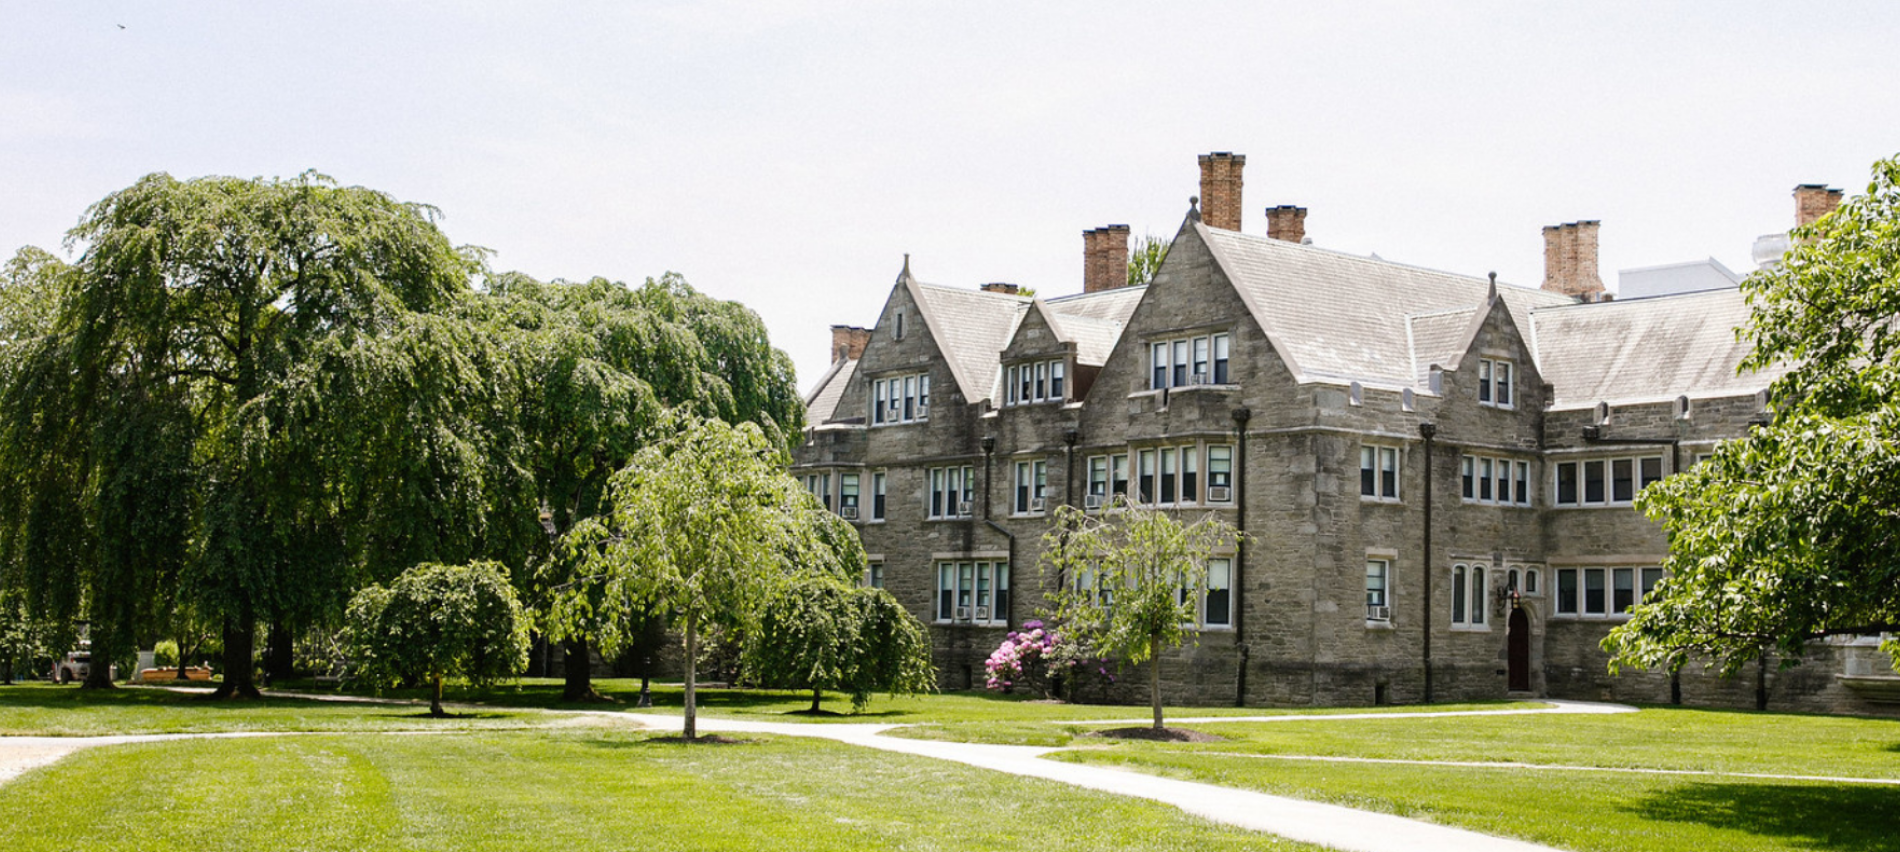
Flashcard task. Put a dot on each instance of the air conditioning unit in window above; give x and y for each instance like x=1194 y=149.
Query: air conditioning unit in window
x=963 y=613
x=963 y=508
x=982 y=613
x=1093 y=501
x=1200 y=379
x=849 y=513
x=1036 y=505
x=1219 y=494
x=1378 y=613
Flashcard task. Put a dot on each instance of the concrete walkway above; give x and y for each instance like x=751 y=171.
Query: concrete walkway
x=1311 y=822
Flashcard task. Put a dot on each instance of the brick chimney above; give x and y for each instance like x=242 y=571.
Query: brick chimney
x=1104 y=258
x=1286 y=222
x=1570 y=260
x=1000 y=287
x=1812 y=201
x=847 y=342
x=1220 y=189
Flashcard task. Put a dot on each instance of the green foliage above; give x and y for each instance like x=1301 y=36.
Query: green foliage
x=22 y=636
x=1788 y=534
x=1144 y=258
x=436 y=622
x=1127 y=581
x=704 y=525
x=820 y=634
x=165 y=654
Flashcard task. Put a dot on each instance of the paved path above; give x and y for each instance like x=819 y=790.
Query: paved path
x=1312 y=822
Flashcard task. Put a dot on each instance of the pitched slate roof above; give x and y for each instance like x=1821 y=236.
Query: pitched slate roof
x=1645 y=350
x=1343 y=317
x=971 y=328
x=1092 y=321
x=822 y=405
x=1439 y=337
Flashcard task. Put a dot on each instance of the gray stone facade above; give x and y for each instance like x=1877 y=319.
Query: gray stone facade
x=1328 y=354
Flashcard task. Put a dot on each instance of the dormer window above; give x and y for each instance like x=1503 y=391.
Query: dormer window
x=1035 y=382
x=1188 y=361
x=1494 y=383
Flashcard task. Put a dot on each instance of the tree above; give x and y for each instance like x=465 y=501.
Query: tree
x=820 y=634
x=599 y=362
x=436 y=622
x=1145 y=257
x=1788 y=534
x=22 y=637
x=1129 y=581
x=254 y=393
x=707 y=525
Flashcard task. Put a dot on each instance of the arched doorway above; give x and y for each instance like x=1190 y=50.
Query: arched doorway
x=1519 y=650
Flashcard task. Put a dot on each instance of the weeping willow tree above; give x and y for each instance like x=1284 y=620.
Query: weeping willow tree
x=598 y=363
x=249 y=392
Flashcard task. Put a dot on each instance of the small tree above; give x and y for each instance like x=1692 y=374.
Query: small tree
x=705 y=525
x=1128 y=582
x=1145 y=257
x=818 y=633
x=21 y=635
x=439 y=621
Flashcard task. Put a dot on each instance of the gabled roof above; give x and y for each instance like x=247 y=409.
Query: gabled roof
x=1646 y=350
x=822 y=405
x=1439 y=337
x=1343 y=317
x=1092 y=321
x=971 y=328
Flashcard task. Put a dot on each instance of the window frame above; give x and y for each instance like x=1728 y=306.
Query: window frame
x=1604 y=469
x=974 y=583
x=1379 y=482
x=1571 y=590
x=900 y=399
x=1470 y=590
x=947 y=487
x=1172 y=361
x=1484 y=480
x=1497 y=383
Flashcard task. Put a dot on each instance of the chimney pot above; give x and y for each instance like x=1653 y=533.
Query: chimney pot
x=1220 y=189
x=1287 y=222
x=1104 y=258
x=1001 y=287
x=1812 y=201
x=847 y=342
x=1570 y=260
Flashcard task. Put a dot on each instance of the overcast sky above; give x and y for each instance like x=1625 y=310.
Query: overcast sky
x=787 y=154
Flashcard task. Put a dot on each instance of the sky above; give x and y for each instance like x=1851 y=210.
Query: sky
x=789 y=154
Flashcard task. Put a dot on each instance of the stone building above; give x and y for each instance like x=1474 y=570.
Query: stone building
x=1435 y=471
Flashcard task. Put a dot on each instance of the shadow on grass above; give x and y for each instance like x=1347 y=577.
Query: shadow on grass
x=667 y=741
x=447 y=717
x=1837 y=818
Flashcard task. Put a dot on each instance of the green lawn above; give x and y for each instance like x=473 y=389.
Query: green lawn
x=67 y=711
x=1576 y=809
x=565 y=790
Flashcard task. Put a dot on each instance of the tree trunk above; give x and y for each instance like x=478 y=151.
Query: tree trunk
x=1154 y=676
x=816 y=696
x=692 y=672
x=279 y=661
x=99 y=673
x=1761 y=681
x=577 y=672
x=435 y=699
x=240 y=641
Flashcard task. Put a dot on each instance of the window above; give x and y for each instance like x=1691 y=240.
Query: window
x=848 y=495
x=1168 y=489
x=874 y=575
x=1523 y=580
x=1098 y=483
x=900 y=399
x=1379 y=472
x=1145 y=484
x=1495 y=384
x=1468 y=596
x=1217 y=604
x=1215 y=608
x=1032 y=478
x=1118 y=475
x=1184 y=362
x=1035 y=382
x=877 y=495
x=1606 y=482
x=897 y=327
x=1494 y=481
x=974 y=592
x=1378 y=580
x=1604 y=592
x=1171 y=476
x=819 y=484
x=951 y=491
x=1220 y=474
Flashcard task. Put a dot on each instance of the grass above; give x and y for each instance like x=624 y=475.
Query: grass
x=68 y=711
x=1061 y=730
x=1581 y=810
x=535 y=790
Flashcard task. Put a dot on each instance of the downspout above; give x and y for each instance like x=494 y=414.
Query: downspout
x=1428 y=431
x=989 y=450
x=1236 y=585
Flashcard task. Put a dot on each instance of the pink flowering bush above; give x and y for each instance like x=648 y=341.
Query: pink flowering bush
x=1022 y=658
